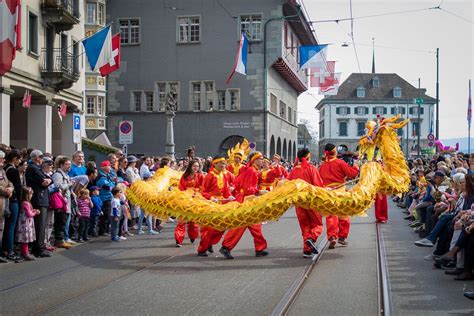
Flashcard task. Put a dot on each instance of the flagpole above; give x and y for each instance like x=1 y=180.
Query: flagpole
x=469 y=117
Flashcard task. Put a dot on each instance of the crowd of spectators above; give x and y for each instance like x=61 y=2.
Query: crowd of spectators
x=440 y=208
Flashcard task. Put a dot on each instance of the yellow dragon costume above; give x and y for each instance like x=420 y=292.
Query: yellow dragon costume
x=159 y=195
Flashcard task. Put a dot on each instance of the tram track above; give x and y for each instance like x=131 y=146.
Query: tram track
x=383 y=290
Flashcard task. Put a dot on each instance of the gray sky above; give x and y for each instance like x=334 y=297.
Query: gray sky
x=410 y=36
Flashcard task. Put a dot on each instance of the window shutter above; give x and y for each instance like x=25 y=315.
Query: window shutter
x=337 y=111
x=373 y=110
x=366 y=110
x=349 y=110
x=392 y=111
x=404 y=111
x=410 y=111
x=422 y=110
x=384 y=110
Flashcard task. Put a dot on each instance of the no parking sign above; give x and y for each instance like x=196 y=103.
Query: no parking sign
x=126 y=132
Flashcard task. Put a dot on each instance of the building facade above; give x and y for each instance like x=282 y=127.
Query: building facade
x=51 y=67
x=187 y=51
x=364 y=96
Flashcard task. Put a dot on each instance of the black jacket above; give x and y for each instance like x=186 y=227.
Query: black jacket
x=34 y=179
x=14 y=176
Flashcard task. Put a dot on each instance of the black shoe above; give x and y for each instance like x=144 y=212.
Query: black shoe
x=192 y=241
x=3 y=260
x=44 y=254
x=469 y=295
x=210 y=249
x=81 y=241
x=202 y=254
x=456 y=271
x=13 y=257
x=423 y=234
x=308 y=254
x=262 y=253
x=448 y=266
x=312 y=245
x=226 y=253
x=409 y=217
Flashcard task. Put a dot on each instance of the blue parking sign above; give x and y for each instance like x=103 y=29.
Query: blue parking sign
x=76 y=128
x=77 y=122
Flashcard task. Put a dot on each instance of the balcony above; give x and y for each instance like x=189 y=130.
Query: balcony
x=59 y=68
x=62 y=14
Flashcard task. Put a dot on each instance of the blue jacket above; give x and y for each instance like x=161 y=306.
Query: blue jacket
x=428 y=197
x=97 y=208
x=77 y=171
x=106 y=183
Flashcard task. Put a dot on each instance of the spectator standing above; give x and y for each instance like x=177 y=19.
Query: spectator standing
x=78 y=167
x=63 y=182
x=6 y=192
x=96 y=211
x=39 y=182
x=84 y=204
x=26 y=227
x=106 y=181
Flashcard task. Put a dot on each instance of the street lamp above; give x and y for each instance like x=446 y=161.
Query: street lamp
x=171 y=107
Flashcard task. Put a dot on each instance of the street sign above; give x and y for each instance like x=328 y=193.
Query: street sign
x=125 y=150
x=431 y=137
x=76 y=128
x=418 y=101
x=431 y=144
x=252 y=145
x=126 y=132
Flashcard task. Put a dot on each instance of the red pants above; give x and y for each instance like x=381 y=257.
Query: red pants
x=24 y=249
x=233 y=236
x=381 y=208
x=338 y=227
x=180 y=231
x=311 y=224
x=209 y=237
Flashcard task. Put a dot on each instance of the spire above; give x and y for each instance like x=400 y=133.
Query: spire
x=373 y=55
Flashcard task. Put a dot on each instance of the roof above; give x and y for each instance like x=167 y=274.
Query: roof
x=348 y=90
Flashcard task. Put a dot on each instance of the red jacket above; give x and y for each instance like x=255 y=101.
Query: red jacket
x=191 y=183
x=268 y=177
x=246 y=183
x=308 y=173
x=215 y=184
x=235 y=170
x=336 y=171
x=282 y=170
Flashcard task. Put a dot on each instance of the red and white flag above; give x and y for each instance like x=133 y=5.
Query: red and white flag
x=26 y=98
x=323 y=75
x=62 y=111
x=330 y=87
x=9 y=33
x=107 y=68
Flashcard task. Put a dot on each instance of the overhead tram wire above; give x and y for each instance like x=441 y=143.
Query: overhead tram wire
x=454 y=14
x=352 y=37
x=225 y=9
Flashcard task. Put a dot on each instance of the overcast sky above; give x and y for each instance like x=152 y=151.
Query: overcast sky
x=410 y=37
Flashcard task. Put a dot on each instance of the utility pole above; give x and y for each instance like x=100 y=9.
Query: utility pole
x=419 y=121
x=408 y=140
x=437 y=93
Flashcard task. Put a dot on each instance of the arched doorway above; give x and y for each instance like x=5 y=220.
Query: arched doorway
x=290 y=151
x=278 y=149
x=228 y=143
x=272 y=146
x=285 y=150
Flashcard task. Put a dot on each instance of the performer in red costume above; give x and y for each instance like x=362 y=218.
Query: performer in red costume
x=268 y=176
x=246 y=184
x=334 y=173
x=215 y=187
x=277 y=165
x=191 y=180
x=235 y=166
x=381 y=208
x=310 y=221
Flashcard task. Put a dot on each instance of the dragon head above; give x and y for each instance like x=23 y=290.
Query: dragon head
x=241 y=148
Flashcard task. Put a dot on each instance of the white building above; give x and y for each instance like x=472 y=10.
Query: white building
x=49 y=65
x=364 y=96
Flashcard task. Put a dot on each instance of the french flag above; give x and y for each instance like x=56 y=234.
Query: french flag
x=99 y=49
x=241 y=59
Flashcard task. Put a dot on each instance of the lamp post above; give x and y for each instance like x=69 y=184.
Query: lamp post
x=171 y=107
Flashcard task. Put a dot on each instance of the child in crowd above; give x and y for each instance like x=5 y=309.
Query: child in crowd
x=115 y=214
x=84 y=204
x=26 y=226
x=125 y=208
x=96 y=211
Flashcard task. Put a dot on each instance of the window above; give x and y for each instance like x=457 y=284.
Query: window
x=32 y=33
x=129 y=31
x=91 y=8
x=149 y=101
x=414 y=110
x=321 y=129
x=361 y=110
x=273 y=103
x=234 y=100
x=379 y=110
x=294 y=117
x=101 y=14
x=375 y=82
x=100 y=106
x=251 y=25
x=196 y=97
x=221 y=100
x=361 y=92
x=342 y=128
x=209 y=95
x=290 y=115
x=360 y=128
x=137 y=101
x=282 y=110
x=343 y=110
x=162 y=95
x=101 y=123
x=163 y=88
x=416 y=128
x=189 y=29
x=397 y=92
x=91 y=105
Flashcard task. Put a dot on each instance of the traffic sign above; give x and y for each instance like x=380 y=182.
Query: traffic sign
x=431 y=144
x=418 y=101
x=126 y=132
x=76 y=128
x=431 y=137
x=252 y=145
x=125 y=150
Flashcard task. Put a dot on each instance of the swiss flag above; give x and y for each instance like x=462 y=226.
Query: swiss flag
x=9 y=33
x=322 y=76
x=107 y=69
